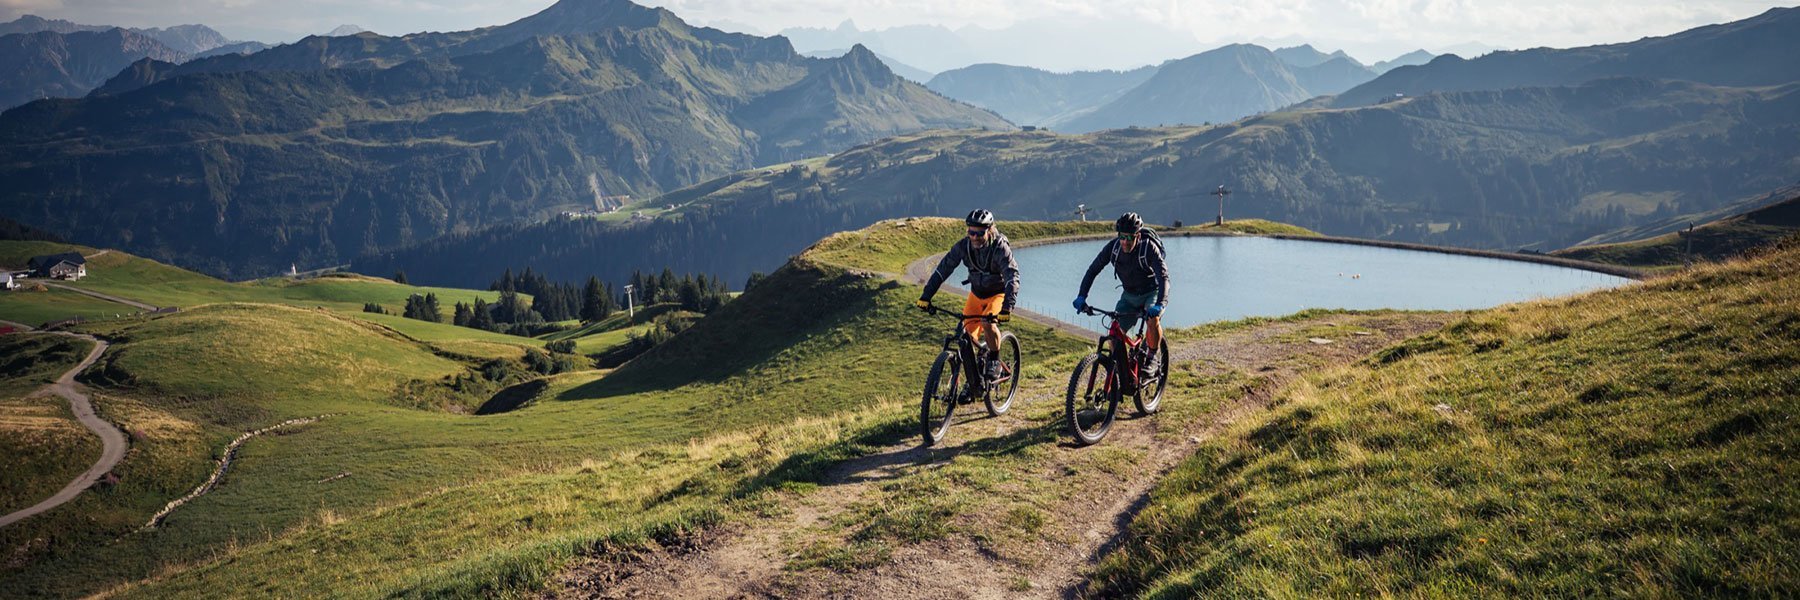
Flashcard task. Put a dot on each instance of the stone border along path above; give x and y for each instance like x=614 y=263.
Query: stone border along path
x=224 y=464
x=113 y=442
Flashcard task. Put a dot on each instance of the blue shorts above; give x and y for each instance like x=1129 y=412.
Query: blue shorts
x=1133 y=305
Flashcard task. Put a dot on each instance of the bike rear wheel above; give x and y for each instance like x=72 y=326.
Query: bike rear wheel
x=1149 y=395
x=1000 y=396
x=1092 y=400
x=939 y=402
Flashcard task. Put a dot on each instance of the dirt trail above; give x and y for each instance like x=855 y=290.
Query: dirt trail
x=107 y=297
x=749 y=561
x=113 y=440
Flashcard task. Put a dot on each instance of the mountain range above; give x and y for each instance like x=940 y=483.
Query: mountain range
x=435 y=151
x=1056 y=44
x=1031 y=96
x=1757 y=51
x=318 y=151
x=906 y=71
x=1218 y=85
x=47 y=64
x=1528 y=167
x=185 y=39
x=47 y=58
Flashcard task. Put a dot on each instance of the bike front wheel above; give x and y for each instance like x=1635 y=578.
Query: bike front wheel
x=1092 y=400
x=939 y=402
x=1000 y=396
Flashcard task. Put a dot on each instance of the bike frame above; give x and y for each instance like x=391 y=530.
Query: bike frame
x=966 y=347
x=1115 y=332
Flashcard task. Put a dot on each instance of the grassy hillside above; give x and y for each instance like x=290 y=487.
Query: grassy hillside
x=120 y=274
x=1713 y=241
x=44 y=446
x=803 y=370
x=613 y=331
x=1633 y=442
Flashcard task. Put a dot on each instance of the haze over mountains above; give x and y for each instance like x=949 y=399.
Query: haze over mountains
x=1215 y=86
x=47 y=64
x=1760 y=50
x=54 y=58
x=412 y=150
x=1531 y=167
x=186 y=39
x=911 y=73
x=317 y=151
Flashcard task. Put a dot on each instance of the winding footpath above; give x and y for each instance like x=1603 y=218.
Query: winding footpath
x=112 y=439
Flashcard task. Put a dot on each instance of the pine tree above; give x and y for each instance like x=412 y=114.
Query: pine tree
x=463 y=315
x=593 y=301
x=400 y=277
x=431 y=309
x=481 y=319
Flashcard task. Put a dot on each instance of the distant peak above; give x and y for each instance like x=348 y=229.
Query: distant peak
x=588 y=16
x=344 y=30
x=863 y=60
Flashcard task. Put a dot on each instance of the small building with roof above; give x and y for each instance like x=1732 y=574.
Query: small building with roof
x=68 y=265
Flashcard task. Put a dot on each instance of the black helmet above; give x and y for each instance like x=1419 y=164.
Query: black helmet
x=1129 y=223
x=979 y=217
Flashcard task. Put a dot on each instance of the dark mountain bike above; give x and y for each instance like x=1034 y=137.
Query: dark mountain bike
x=1102 y=379
x=960 y=375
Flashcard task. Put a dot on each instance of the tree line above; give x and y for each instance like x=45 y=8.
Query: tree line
x=530 y=304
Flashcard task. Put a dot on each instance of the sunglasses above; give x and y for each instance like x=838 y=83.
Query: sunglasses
x=977 y=232
x=1127 y=236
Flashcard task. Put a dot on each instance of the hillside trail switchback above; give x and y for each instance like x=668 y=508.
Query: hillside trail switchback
x=112 y=440
x=1095 y=490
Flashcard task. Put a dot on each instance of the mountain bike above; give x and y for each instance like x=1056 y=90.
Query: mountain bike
x=959 y=376
x=1102 y=379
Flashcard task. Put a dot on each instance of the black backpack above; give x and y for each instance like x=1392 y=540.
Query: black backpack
x=1143 y=253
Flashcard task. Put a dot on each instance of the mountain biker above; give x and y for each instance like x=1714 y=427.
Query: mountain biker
x=1138 y=263
x=993 y=282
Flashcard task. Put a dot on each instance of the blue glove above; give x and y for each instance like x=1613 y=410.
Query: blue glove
x=1080 y=303
x=1155 y=310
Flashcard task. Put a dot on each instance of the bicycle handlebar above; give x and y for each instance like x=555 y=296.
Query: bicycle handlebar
x=934 y=309
x=1115 y=315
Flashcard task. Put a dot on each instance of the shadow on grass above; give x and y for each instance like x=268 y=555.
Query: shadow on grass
x=795 y=303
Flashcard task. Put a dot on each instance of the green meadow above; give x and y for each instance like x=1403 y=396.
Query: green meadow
x=1635 y=442
x=1631 y=441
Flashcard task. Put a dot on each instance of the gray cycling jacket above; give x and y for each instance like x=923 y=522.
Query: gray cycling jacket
x=992 y=270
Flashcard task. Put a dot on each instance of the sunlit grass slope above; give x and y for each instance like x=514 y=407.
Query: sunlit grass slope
x=42 y=447
x=1718 y=240
x=33 y=306
x=144 y=280
x=1637 y=442
x=390 y=497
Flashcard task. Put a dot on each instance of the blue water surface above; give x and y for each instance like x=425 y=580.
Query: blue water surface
x=1230 y=278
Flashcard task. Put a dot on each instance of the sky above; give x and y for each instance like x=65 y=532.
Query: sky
x=1369 y=29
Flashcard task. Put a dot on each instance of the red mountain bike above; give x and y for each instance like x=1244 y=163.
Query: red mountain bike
x=964 y=360
x=1102 y=379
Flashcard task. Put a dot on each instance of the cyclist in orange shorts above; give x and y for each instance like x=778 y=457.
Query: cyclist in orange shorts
x=993 y=282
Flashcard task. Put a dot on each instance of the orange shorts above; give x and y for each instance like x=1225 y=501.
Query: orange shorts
x=981 y=306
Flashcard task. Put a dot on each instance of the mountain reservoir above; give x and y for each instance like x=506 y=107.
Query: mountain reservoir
x=1229 y=278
